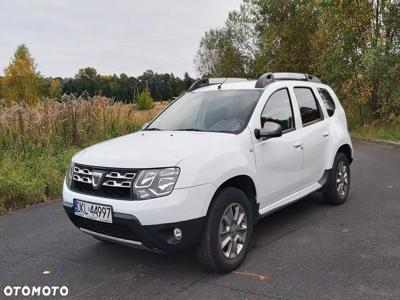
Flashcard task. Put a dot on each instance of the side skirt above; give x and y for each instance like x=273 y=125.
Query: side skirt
x=294 y=197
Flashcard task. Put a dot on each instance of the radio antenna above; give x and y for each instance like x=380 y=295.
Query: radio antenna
x=219 y=87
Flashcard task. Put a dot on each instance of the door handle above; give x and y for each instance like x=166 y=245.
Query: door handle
x=297 y=145
x=325 y=134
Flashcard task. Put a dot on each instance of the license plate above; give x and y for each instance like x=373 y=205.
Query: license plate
x=93 y=211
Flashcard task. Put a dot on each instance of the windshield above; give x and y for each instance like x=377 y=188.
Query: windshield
x=215 y=111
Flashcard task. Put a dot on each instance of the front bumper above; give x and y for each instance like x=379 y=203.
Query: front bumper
x=181 y=205
x=127 y=230
x=148 y=223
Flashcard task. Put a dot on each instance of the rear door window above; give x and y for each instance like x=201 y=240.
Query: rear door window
x=308 y=105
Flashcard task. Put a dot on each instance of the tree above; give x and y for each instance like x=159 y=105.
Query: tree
x=382 y=60
x=144 y=100
x=208 y=55
x=22 y=82
x=218 y=56
x=286 y=30
x=55 y=89
x=231 y=50
x=164 y=86
x=86 y=73
x=123 y=88
x=338 y=50
x=187 y=80
x=354 y=46
x=87 y=80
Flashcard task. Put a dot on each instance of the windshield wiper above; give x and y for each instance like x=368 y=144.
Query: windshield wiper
x=189 y=129
x=152 y=129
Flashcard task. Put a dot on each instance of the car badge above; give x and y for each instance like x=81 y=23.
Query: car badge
x=97 y=179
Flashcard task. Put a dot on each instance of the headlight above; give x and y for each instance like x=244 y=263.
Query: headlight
x=69 y=175
x=155 y=183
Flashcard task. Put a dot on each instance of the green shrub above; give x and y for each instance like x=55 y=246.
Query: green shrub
x=144 y=100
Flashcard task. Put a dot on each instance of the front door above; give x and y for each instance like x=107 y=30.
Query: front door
x=279 y=161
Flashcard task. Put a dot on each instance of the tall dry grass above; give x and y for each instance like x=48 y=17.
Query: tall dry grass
x=36 y=143
x=72 y=122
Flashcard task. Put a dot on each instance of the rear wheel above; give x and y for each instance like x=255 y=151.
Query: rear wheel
x=227 y=232
x=338 y=185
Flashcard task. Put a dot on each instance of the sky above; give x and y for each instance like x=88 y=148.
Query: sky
x=120 y=36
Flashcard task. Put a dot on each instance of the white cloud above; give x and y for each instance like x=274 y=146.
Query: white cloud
x=111 y=36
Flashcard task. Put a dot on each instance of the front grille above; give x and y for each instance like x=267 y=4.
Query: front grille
x=103 y=182
x=114 y=230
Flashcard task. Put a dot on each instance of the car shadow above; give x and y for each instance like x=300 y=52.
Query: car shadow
x=266 y=231
x=288 y=219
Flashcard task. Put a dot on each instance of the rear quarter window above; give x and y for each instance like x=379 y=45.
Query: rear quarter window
x=327 y=100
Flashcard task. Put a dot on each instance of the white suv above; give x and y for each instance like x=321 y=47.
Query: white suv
x=208 y=167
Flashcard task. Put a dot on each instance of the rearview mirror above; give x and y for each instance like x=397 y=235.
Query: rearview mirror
x=269 y=130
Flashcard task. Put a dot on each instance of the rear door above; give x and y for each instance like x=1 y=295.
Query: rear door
x=315 y=134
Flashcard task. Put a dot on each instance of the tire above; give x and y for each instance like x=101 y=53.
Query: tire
x=332 y=193
x=210 y=252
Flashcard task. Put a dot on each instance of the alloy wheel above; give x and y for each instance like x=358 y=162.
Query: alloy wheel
x=233 y=230
x=342 y=179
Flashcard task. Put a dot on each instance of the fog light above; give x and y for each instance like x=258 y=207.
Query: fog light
x=178 y=234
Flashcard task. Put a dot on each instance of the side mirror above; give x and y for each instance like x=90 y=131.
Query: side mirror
x=263 y=120
x=145 y=125
x=269 y=130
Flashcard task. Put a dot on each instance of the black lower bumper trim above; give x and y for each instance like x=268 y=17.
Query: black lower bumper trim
x=156 y=237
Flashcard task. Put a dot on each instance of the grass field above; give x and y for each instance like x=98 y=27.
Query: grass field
x=36 y=144
x=384 y=132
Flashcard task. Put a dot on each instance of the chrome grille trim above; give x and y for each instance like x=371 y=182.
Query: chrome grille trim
x=118 y=175
x=114 y=182
x=84 y=171
x=85 y=179
x=123 y=184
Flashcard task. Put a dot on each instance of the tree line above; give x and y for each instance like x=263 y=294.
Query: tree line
x=23 y=82
x=354 y=46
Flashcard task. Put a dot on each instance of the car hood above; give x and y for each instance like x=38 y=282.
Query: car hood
x=152 y=149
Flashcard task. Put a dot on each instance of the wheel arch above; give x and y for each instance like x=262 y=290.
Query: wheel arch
x=244 y=183
x=346 y=150
x=344 y=147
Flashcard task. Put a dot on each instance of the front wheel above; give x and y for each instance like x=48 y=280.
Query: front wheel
x=227 y=232
x=338 y=185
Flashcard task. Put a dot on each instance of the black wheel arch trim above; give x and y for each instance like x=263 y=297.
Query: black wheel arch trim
x=246 y=184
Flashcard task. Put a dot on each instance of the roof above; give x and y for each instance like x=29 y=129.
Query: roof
x=242 y=83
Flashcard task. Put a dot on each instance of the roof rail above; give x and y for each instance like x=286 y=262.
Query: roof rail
x=212 y=81
x=268 y=78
